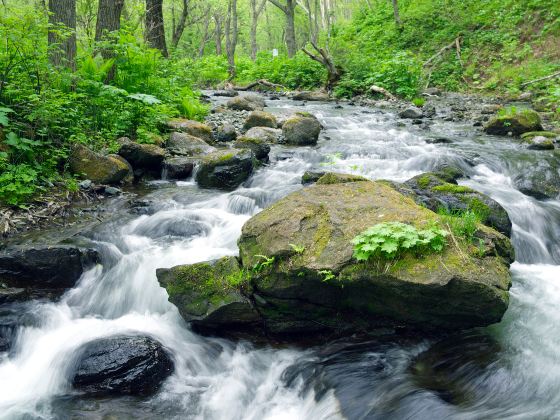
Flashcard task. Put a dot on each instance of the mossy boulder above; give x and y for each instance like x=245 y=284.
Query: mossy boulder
x=225 y=169
x=98 y=168
x=541 y=180
x=183 y=144
x=514 y=122
x=336 y=178
x=260 y=119
x=259 y=148
x=208 y=295
x=311 y=95
x=315 y=285
x=226 y=132
x=548 y=134
x=178 y=167
x=310 y=177
x=246 y=103
x=142 y=156
x=267 y=134
x=194 y=128
x=434 y=192
x=539 y=143
x=301 y=129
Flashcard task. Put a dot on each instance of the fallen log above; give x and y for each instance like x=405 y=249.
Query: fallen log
x=261 y=82
x=383 y=91
x=540 y=79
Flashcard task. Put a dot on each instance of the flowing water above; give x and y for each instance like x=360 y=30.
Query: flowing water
x=509 y=370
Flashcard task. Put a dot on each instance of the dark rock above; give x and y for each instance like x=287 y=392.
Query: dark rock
x=439 y=140
x=259 y=148
x=301 y=129
x=230 y=93
x=178 y=167
x=433 y=91
x=54 y=267
x=122 y=366
x=226 y=132
x=225 y=169
x=541 y=180
x=411 y=112
x=516 y=123
x=143 y=156
x=183 y=144
x=311 y=177
x=11 y=294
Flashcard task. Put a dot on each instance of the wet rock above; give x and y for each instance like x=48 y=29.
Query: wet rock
x=122 y=365
x=112 y=191
x=225 y=169
x=226 y=132
x=541 y=181
x=143 y=156
x=259 y=148
x=516 y=123
x=98 y=168
x=411 y=112
x=439 y=140
x=45 y=268
x=266 y=134
x=215 y=305
x=320 y=287
x=433 y=91
x=540 y=143
x=310 y=177
x=315 y=95
x=86 y=184
x=230 y=93
x=178 y=167
x=301 y=129
x=260 y=119
x=194 y=128
x=246 y=103
x=330 y=178
x=183 y=144
x=436 y=190
x=11 y=294
x=547 y=134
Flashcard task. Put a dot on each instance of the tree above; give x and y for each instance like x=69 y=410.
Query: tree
x=289 y=10
x=396 y=13
x=180 y=28
x=108 y=20
x=218 y=32
x=155 y=32
x=256 y=10
x=62 y=18
x=231 y=36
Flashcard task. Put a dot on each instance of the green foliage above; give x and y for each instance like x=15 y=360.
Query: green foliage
x=298 y=249
x=463 y=224
x=265 y=263
x=391 y=240
x=327 y=275
x=419 y=102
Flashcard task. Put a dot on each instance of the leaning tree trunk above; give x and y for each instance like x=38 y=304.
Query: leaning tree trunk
x=334 y=72
x=178 y=31
x=108 y=21
x=62 y=49
x=155 y=33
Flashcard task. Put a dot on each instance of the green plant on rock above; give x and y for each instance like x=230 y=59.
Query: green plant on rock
x=327 y=275
x=298 y=249
x=463 y=224
x=390 y=240
x=264 y=263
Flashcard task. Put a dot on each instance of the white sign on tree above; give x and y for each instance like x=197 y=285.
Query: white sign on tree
x=275 y=52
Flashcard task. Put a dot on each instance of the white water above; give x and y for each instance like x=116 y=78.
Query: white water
x=219 y=379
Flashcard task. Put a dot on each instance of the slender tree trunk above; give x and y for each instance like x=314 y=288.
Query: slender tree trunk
x=62 y=48
x=205 y=38
x=256 y=10
x=396 y=13
x=178 y=31
x=231 y=36
x=218 y=34
x=289 y=10
x=155 y=33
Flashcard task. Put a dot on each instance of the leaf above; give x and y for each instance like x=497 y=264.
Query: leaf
x=145 y=98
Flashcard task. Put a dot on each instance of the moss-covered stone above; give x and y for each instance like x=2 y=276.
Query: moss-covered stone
x=194 y=128
x=98 y=168
x=246 y=103
x=301 y=129
x=547 y=134
x=517 y=123
x=208 y=294
x=336 y=178
x=143 y=156
x=225 y=169
x=259 y=147
x=183 y=144
x=260 y=119
x=266 y=134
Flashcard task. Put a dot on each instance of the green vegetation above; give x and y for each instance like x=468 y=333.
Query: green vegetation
x=391 y=240
x=463 y=224
x=264 y=263
x=298 y=249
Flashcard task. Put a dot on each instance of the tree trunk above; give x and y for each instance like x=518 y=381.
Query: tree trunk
x=231 y=36
x=62 y=48
x=155 y=33
x=218 y=34
x=108 y=20
x=396 y=13
x=289 y=10
x=256 y=11
x=334 y=72
x=178 y=31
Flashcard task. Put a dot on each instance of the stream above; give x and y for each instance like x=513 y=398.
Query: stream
x=508 y=370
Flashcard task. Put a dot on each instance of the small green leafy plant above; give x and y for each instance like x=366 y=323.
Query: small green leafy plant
x=263 y=264
x=327 y=275
x=391 y=240
x=463 y=224
x=298 y=249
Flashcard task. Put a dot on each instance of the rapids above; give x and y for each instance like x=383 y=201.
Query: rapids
x=507 y=370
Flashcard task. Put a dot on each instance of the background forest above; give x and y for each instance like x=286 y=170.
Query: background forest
x=91 y=71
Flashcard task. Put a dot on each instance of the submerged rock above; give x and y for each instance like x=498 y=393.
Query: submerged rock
x=301 y=129
x=194 y=128
x=45 y=269
x=260 y=119
x=516 y=123
x=225 y=169
x=540 y=143
x=541 y=180
x=184 y=144
x=98 y=168
x=215 y=305
x=122 y=366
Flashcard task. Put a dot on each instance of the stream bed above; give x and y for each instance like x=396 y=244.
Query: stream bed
x=508 y=370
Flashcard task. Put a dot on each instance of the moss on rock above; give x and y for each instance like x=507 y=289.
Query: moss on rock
x=516 y=122
x=98 y=168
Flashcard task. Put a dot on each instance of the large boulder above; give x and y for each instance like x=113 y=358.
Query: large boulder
x=301 y=129
x=266 y=134
x=44 y=269
x=246 y=103
x=178 y=167
x=411 y=112
x=226 y=132
x=183 y=144
x=98 y=168
x=122 y=365
x=435 y=190
x=314 y=284
x=194 y=128
x=214 y=305
x=225 y=169
x=311 y=95
x=260 y=119
x=514 y=122
x=259 y=148
x=540 y=180
x=142 y=156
